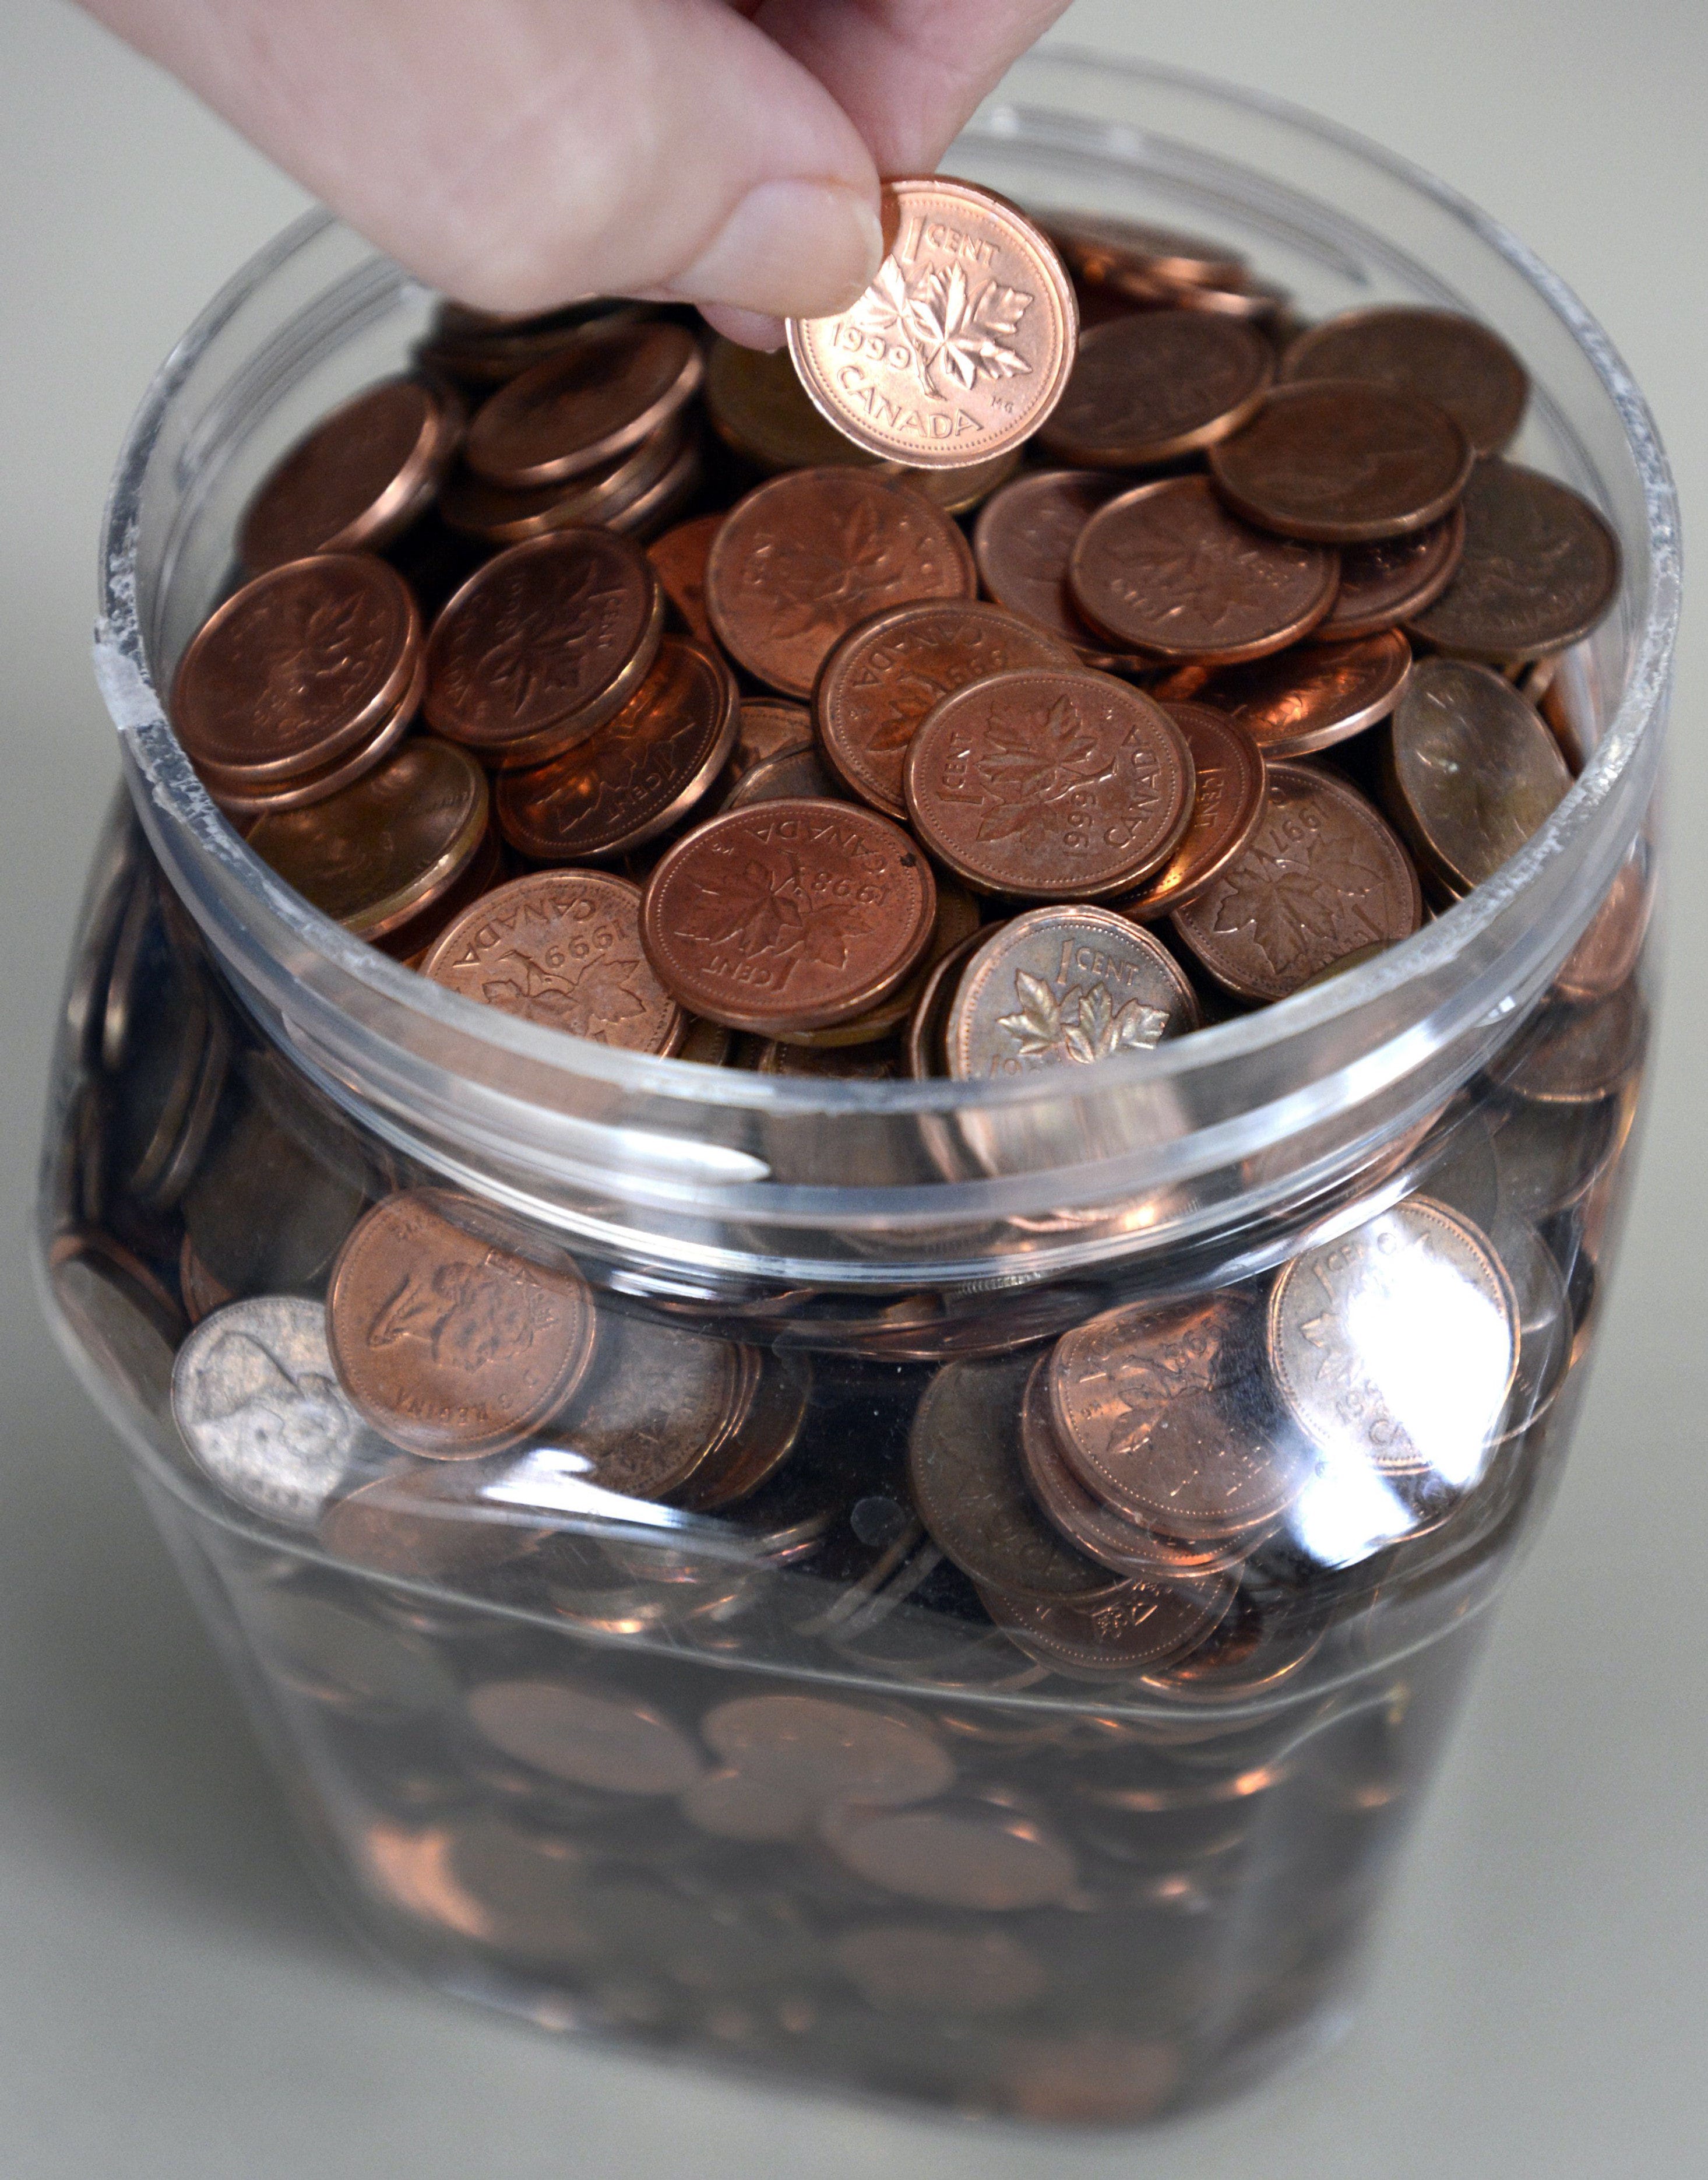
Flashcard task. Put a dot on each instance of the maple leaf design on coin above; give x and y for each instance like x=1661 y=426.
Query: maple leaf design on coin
x=768 y=908
x=584 y=1003
x=466 y=1314
x=951 y=330
x=807 y=582
x=1292 y=910
x=912 y=695
x=519 y=664
x=1081 y=1024
x=1035 y=761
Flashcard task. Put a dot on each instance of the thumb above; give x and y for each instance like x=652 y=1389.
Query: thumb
x=519 y=153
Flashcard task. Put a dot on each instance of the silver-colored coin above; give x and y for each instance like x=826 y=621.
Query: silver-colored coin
x=1475 y=769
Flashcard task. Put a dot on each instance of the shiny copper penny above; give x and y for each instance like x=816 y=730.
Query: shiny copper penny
x=562 y=949
x=543 y=645
x=1063 y=987
x=296 y=669
x=1025 y=538
x=1540 y=568
x=449 y=1341
x=240 y=798
x=1159 y=384
x=508 y=515
x=1383 y=584
x=1229 y=776
x=961 y=346
x=801 y=559
x=767 y=727
x=1321 y=876
x=610 y=387
x=1606 y=954
x=1461 y=366
x=678 y=559
x=886 y=674
x=1343 y=461
x=357 y=479
x=1132 y=256
x=1316 y=694
x=759 y=408
x=958 y=920
x=1253 y=1649
x=790 y=915
x=1049 y=784
x=1168 y=569
x=635 y=777
x=376 y=854
x=1140 y=1624
x=789 y=776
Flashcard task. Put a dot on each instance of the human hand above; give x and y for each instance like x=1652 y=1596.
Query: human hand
x=520 y=153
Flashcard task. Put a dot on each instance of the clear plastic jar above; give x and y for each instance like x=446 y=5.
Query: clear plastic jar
x=749 y=1770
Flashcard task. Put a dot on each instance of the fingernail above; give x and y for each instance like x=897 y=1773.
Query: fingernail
x=798 y=250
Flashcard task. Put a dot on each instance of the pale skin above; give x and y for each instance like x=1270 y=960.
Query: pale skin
x=520 y=153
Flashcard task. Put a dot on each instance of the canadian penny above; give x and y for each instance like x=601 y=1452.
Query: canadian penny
x=875 y=688
x=761 y=410
x=678 y=559
x=635 y=777
x=610 y=385
x=1316 y=694
x=767 y=727
x=373 y=855
x=1474 y=770
x=510 y=515
x=1461 y=366
x=828 y=1751
x=1384 y=584
x=955 y=491
x=979 y=1855
x=1168 y=569
x=358 y=478
x=958 y=920
x=240 y=799
x=1025 y=538
x=424 y=1524
x=1606 y=954
x=590 y=1738
x=450 y=1342
x=788 y=776
x=1343 y=461
x=1132 y=255
x=962 y=345
x=760 y=1439
x=1250 y=1652
x=1157 y=385
x=1321 y=876
x=922 y=1042
x=658 y=1401
x=788 y=916
x=1061 y=987
x=299 y=666
x=1051 y=784
x=562 y=949
x=1136 y=1627
x=543 y=645
x=1229 y=775
x=805 y=556
x=1577 y=1056
x=1540 y=568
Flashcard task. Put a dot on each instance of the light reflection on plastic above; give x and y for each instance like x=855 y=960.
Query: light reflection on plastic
x=552 y=1479
x=1347 y=1510
x=1437 y=1354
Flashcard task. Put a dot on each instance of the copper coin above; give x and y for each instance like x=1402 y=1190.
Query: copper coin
x=542 y=645
x=1343 y=461
x=1132 y=255
x=1159 y=1411
x=760 y=1439
x=1025 y=538
x=1061 y=987
x=978 y=1855
x=1383 y=584
x=767 y=728
x=1230 y=775
x=1395 y=1347
x=1474 y=771
x=1316 y=694
x=299 y=666
x=961 y=346
x=485 y=348
x=590 y=1738
x=902 y=1968
x=612 y=386
x=1540 y=568
x=828 y=1751
x=1321 y=876
x=759 y=408
x=562 y=949
x=449 y=1340
x=657 y=1401
x=963 y=1465
x=636 y=776
x=374 y=855
x=789 y=776
x=426 y=1525
x=509 y=515
x=955 y=491
x=358 y=478
x=790 y=915
x=1166 y=569
x=801 y=559
x=1606 y=954
x=958 y=920
x=871 y=1061
x=1138 y=1625
x=487 y=867
x=1157 y=385
x=1577 y=1056
x=1051 y=784
x=1453 y=361
x=922 y=1044
x=678 y=559
x=1246 y=1654
x=886 y=674
x=244 y=799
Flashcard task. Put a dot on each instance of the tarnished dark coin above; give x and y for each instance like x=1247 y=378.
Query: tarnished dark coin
x=614 y=495
x=1051 y=784
x=1137 y=1626
x=1025 y=538
x=977 y=1855
x=1474 y=772
x=1229 y=775
x=1061 y=987
x=657 y=1403
x=1157 y=385
x=767 y=727
x=115 y=1307
x=1461 y=366
x=1384 y=584
x=801 y=559
x=584 y=1735
x=789 y=776
x=1321 y=876
x=1539 y=569
x=1343 y=461
x=1606 y=954
x=346 y=1658
x=1168 y=570
x=562 y=949
x=788 y=916
x=484 y=348
x=877 y=685
x=635 y=777
x=449 y=1340
x=266 y=1212
x=543 y=645
x=828 y=1751
x=1577 y=1056
x=759 y=408
x=872 y=1060
x=760 y=1439
x=678 y=559
x=201 y=1292
x=610 y=385
x=1315 y=695
x=1134 y=257
x=358 y=478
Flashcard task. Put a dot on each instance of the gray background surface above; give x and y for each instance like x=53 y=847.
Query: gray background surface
x=174 y=1999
